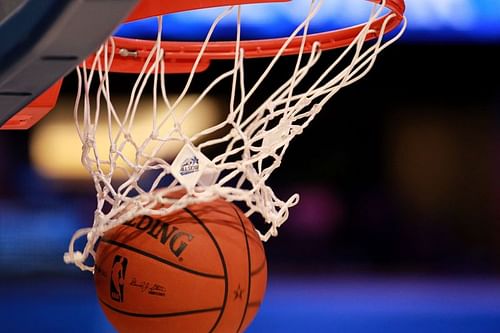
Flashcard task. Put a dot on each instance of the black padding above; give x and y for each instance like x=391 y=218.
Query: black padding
x=45 y=39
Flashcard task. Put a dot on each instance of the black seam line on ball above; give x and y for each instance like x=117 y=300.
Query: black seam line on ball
x=249 y=264
x=158 y=315
x=221 y=255
x=160 y=259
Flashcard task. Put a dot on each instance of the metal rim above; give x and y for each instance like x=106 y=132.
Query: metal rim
x=130 y=54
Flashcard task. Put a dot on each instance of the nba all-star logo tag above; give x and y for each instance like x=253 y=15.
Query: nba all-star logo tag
x=117 y=280
x=190 y=165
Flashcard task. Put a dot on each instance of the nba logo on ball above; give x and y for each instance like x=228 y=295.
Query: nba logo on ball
x=117 y=280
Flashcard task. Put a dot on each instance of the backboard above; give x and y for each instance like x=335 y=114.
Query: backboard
x=41 y=41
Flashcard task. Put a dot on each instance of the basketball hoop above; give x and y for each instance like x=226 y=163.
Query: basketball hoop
x=254 y=140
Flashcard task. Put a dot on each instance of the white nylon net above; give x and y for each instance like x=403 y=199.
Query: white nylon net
x=253 y=140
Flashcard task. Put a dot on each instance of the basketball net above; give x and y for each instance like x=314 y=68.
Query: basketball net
x=254 y=141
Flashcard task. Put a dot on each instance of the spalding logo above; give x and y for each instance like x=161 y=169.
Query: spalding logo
x=176 y=239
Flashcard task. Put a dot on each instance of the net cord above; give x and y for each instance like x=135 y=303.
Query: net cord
x=255 y=142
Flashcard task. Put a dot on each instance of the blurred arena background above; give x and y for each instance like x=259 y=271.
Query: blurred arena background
x=398 y=227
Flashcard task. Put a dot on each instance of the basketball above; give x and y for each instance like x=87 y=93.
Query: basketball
x=200 y=269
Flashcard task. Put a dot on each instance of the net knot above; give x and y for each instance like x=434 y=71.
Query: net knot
x=128 y=137
x=316 y=108
x=154 y=135
x=303 y=102
x=271 y=106
x=73 y=257
x=89 y=139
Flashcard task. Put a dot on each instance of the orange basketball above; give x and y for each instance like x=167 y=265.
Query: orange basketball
x=200 y=269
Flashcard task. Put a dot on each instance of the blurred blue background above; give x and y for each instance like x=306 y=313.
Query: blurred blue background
x=398 y=228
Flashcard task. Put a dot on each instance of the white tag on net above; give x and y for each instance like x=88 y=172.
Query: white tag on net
x=189 y=166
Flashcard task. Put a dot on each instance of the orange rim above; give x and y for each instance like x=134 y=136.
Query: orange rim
x=180 y=56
